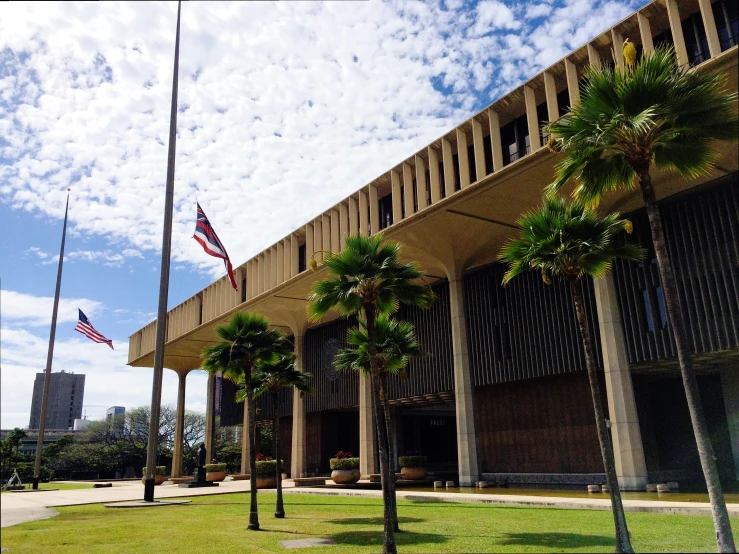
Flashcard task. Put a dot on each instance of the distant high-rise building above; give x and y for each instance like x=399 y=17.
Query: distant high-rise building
x=66 y=391
x=113 y=411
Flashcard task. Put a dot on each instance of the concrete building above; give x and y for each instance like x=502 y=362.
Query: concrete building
x=66 y=391
x=114 y=411
x=79 y=425
x=29 y=444
x=505 y=393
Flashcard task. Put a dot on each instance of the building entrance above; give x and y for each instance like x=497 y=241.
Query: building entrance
x=429 y=431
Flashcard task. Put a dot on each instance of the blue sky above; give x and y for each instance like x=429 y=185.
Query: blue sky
x=284 y=109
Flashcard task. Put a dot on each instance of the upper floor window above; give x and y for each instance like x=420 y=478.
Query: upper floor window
x=726 y=15
x=696 y=42
x=385 y=210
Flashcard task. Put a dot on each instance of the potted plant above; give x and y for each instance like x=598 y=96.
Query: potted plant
x=266 y=469
x=159 y=478
x=215 y=472
x=413 y=468
x=345 y=468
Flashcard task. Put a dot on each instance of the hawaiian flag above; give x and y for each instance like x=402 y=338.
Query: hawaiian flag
x=210 y=242
x=85 y=327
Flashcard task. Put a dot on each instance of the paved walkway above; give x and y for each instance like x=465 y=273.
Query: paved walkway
x=18 y=508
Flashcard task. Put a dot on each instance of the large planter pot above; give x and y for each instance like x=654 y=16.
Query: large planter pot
x=266 y=481
x=345 y=476
x=414 y=473
x=158 y=479
x=215 y=475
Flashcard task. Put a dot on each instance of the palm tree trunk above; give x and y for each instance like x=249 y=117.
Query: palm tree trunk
x=253 y=514
x=721 y=521
x=279 y=508
x=390 y=452
x=388 y=546
x=623 y=541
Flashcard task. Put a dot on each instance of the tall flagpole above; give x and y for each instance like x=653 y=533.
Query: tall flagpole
x=156 y=390
x=49 y=357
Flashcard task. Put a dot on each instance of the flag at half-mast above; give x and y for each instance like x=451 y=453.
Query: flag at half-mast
x=85 y=327
x=212 y=245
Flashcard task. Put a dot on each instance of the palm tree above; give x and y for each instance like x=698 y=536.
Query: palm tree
x=396 y=345
x=368 y=278
x=652 y=114
x=271 y=377
x=247 y=341
x=572 y=242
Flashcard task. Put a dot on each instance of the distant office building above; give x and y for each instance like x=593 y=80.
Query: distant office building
x=66 y=391
x=79 y=425
x=29 y=444
x=114 y=411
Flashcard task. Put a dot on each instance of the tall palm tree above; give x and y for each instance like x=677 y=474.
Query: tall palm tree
x=368 y=278
x=652 y=114
x=572 y=242
x=270 y=378
x=396 y=345
x=247 y=341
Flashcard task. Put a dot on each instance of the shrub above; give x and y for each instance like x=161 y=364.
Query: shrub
x=161 y=470
x=266 y=467
x=215 y=467
x=344 y=463
x=412 y=461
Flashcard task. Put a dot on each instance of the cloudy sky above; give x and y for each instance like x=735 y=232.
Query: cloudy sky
x=284 y=109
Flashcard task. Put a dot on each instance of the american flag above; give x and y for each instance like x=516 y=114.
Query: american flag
x=210 y=242
x=85 y=327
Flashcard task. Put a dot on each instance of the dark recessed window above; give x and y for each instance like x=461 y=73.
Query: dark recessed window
x=301 y=258
x=726 y=15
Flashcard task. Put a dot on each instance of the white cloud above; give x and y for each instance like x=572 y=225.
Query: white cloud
x=285 y=108
x=108 y=381
x=35 y=311
x=110 y=258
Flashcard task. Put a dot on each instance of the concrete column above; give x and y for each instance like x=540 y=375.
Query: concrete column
x=462 y=155
x=593 y=56
x=573 y=84
x=532 y=118
x=274 y=281
x=363 y=213
x=245 y=446
x=279 y=264
x=374 y=210
x=495 y=142
x=434 y=178
x=618 y=48
x=343 y=224
x=730 y=386
x=421 y=182
x=335 y=231
x=326 y=232
x=287 y=261
x=550 y=89
x=448 y=161
x=353 y=216
x=628 y=449
x=466 y=439
x=709 y=24
x=260 y=274
x=210 y=419
x=179 y=428
x=318 y=238
x=479 y=149
x=294 y=255
x=367 y=431
x=408 y=190
x=309 y=248
x=298 y=459
x=673 y=14
x=396 y=188
x=645 y=32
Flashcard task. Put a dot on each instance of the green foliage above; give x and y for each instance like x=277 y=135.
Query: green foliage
x=396 y=345
x=344 y=463
x=161 y=470
x=412 y=461
x=215 y=467
x=229 y=453
x=628 y=119
x=567 y=240
x=266 y=467
x=272 y=376
x=367 y=272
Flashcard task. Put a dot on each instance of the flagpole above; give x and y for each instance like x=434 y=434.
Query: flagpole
x=49 y=356
x=156 y=390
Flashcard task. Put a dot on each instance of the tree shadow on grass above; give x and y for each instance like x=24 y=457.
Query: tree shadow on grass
x=372 y=520
x=375 y=538
x=557 y=541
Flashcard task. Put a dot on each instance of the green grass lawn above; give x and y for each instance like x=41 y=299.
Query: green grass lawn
x=218 y=524
x=61 y=486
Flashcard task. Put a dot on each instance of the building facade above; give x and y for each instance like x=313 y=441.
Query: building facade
x=504 y=394
x=66 y=392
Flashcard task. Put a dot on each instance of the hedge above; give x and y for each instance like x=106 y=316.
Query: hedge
x=161 y=470
x=215 y=467
x=344 y=463
x=267 y=467
x=412 y=461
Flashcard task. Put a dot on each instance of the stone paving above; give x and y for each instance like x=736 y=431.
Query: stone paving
x=18 y=508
